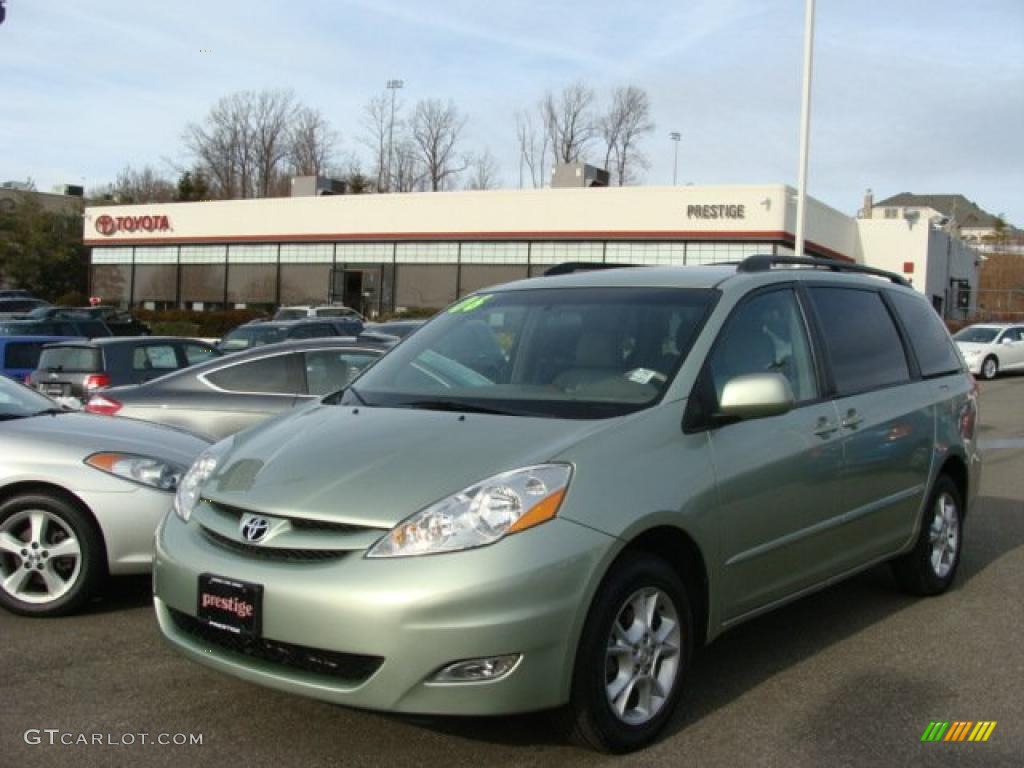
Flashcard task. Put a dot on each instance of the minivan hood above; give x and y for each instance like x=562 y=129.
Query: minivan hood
x=376 y=466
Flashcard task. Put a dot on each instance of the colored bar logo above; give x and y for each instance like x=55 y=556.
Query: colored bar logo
x=958 y=730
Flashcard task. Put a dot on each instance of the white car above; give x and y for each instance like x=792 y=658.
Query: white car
x=992 y=347
x=80 y=498
x=322 y=310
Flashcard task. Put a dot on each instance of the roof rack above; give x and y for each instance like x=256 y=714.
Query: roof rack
x=764 y=262
x=569 y=267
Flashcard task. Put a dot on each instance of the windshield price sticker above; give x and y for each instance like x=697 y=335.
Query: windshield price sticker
x=470 y=304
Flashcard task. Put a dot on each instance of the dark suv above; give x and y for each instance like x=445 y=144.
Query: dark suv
x=76 y=369
x=119 y=321
x=258 y=333
x=84 y=328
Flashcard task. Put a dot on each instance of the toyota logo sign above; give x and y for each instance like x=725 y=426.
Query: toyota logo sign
x=254 y=528
x=110 y=225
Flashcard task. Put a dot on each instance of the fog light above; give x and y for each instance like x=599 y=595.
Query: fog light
x=477 y=670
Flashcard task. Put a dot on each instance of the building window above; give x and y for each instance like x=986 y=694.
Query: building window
x=427 y=253
x=618 y=252
x=425 y=286
x=892 y=213
x=370 y=253
x=252 y=254
x=161 y=255
x=558 y=252
x=111 y=255
x=318 y=253
x=203 y=254
x=494 y=253
x=711 y=253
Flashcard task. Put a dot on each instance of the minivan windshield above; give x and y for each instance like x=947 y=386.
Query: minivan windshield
x=557 y=352
x=977 y=334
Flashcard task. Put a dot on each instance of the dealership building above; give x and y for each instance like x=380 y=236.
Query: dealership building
x=383 y=253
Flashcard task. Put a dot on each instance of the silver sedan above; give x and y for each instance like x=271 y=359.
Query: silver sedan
x=80 y=498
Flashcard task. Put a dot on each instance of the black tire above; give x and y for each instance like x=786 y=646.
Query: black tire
x=82 y=581
x=589 y=716
x=916 y=571
x=989 y=368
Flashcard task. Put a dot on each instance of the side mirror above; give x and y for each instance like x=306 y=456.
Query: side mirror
x=1006 y=340
x=755 y=396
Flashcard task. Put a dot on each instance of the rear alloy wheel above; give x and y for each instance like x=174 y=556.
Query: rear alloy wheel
x=929 y=569
x=989 y=368
x=51 y=557
x=632 y=657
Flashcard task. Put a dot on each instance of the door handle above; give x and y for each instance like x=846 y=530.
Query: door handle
x=823 y=428
x=852 y=420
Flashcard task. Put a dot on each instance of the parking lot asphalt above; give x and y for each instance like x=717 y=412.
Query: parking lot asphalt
x=849 y=676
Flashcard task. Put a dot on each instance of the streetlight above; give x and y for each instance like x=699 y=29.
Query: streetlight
x=675 y=136
x=805 y=128
x=393 y=85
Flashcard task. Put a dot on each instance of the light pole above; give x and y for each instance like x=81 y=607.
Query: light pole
x=675 y=136
x=393 y=85
x=805 y=129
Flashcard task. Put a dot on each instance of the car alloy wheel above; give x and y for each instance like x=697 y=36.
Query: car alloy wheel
x=930 y=567
x=643 y=656
x=52 y=557
x=632 y=657
x=40 y=557
x=989 y=368
x=944 y=535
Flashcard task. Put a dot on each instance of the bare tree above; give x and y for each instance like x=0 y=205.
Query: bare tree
x=272 y=113
x=628 y=119
x=311 y=143
x=376 y=125
x=484 y=171
x=435 y=129
x=569 y=121
x=138 y=186
x=533 y=148
x=407 y=173
x=243 y=143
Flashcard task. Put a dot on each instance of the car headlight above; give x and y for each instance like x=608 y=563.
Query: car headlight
x=187 y=496
x=972 y=353
x=144 y=470
x=481 y=514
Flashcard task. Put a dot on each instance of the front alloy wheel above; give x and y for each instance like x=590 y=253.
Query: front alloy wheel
x=49 y=556
x=632 y=656
x=989 y=368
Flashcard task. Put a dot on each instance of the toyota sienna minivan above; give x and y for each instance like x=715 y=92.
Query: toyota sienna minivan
x=554 y=491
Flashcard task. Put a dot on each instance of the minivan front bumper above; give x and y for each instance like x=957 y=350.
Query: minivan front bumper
x=526 y=595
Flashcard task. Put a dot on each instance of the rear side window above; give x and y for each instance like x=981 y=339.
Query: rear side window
x=155 y=357
x=268 y=375
x=22 y=354
x=932 y=345
x=70 y=360
x=196 y=354
x=862 y=341
x=312 y=331
x=328 y=370
x=92 y=328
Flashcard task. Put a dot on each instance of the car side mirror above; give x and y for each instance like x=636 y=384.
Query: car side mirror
x=1006 y=340
x=755 y=396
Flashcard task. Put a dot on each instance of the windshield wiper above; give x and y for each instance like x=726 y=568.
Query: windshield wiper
x=11 y=416
x=51 y=412
x=454 y=406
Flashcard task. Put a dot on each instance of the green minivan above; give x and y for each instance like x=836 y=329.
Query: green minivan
x=556 y=489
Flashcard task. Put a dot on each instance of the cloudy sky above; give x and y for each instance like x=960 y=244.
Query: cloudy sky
x=924 y=97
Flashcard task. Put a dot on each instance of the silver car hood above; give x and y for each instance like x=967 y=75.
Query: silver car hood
x=82 y=434
x=377 y=466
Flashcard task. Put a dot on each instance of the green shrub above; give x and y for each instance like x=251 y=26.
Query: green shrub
x=203 y=324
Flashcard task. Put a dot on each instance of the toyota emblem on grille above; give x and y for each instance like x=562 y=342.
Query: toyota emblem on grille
x=255 y=528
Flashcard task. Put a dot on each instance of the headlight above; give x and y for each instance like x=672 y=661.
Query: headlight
x=187 y=497
x=144 y=470
x=973 y=352
x=481 y=514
